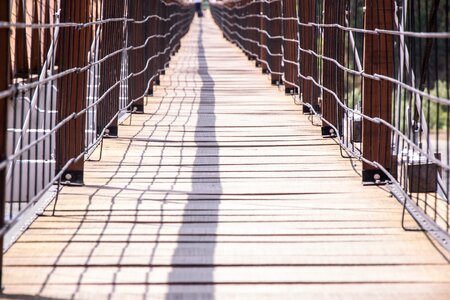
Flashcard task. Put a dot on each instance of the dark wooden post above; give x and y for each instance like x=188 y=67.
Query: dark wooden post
x=167 y=11
x=229 y=6
x=21 y=64
x=111 y=41
x=35 y=42
x=36 y=63
x=157 y=42
x=177 y=28
x=163 y=26
x=4 y=84
x=377 y=95
x=263 y=38
x=47 y=32
x=151 y=29
x=252 y=31
x=233 y=20
x=290 y=34
x=256 y=24
x=73 y=48
x=308 y=67
x=136 y=57
x=275 y=29
x=237 y=21
x=245 y=33
x=333 y=75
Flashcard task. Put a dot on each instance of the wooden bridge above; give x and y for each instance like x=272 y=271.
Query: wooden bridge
x=223 y=187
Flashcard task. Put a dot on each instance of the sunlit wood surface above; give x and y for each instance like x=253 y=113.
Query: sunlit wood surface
x=223 y=190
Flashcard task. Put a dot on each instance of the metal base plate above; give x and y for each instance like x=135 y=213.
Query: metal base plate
x=110 y=132
x=291 y=91
x=328 y=131
x=137 y=108
x=113 y=132
x=72 y=178
x=374 y=177
x=277 y=82
x=308 y=111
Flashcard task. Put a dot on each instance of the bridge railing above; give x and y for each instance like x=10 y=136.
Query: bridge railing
x=374 y=75
x=69 y=70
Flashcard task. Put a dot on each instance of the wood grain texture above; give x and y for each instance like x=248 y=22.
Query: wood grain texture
x=377 y=95
x=223 y=190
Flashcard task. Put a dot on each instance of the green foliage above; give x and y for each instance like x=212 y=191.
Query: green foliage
x=354 y=97
x=437 y=114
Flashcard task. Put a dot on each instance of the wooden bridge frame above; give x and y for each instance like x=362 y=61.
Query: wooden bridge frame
x=23 y=61
x=299 y=58
x=288 y=50
x=318 y=72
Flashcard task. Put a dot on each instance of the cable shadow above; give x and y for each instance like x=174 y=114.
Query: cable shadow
x=25 y=297
x=166 y=199
x=153 y=181
x=99 y=189
x=206 y=117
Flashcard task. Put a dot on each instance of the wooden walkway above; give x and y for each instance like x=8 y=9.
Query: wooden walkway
x=223 y=190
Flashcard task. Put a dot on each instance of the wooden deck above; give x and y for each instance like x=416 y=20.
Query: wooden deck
x=223 y=190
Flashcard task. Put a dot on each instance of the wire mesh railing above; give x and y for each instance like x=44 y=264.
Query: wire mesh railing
x=69 y=70
x=375 y=73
